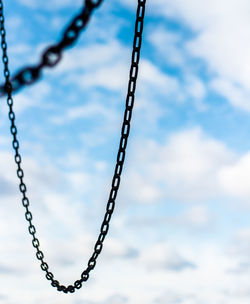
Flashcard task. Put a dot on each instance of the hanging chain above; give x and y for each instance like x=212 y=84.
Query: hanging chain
x=53 y=54
x=120 y=155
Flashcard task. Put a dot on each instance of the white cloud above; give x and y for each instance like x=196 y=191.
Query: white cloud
x=115 y=248
x=158 y=81
x=221 y=30
x=236 y=94
x=175 y=298
x=89 y=56
x=164 y=257
x=197 y=216
x=240 y=244
x=33 y=97
x=195 y=88
x=168 y=45
x=185 y=167
x=234 y=178
x=88 y=110
x=110 y=70
x=54 y=4
x=143 y=189
x=111 y=77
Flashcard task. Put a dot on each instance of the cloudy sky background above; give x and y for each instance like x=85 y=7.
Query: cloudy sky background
x=180 y=233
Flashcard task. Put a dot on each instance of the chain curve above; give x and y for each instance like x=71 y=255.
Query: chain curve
x=120 y=155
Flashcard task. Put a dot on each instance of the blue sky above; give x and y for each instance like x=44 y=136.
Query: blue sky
x=180 y=233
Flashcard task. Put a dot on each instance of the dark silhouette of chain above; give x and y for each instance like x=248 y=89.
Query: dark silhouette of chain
x=53 y=54
x=120 y=155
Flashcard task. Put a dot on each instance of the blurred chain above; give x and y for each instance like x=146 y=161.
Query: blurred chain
x=120 y=155
x=53 y=54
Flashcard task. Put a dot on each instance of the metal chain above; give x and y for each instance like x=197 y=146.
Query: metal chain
x=53 y=54
x=120 y=155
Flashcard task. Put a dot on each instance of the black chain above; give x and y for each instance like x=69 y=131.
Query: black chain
x=120 y=155
x=53 y=54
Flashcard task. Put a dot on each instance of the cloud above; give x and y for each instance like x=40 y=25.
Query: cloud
x=5 y=270
x=110 y=70
x=235 y=93
x=32 y=97
x=6 y=187
x=118 y=249
x=234 y=177
x=221 y=42
x=162 y=256
x=170 y=50
x=157 y=85
x=109 y=77
x=160 y=82
x=220 y=31
x=117 y=299
x=197 y=217
x=240 y=245
x=194 y=221
x=195 y=88
x=90 y=110
x=58 y=4
x=113 y=299
x=185 y=167
x=111 y=51
x=174 y=298
x=168 y=45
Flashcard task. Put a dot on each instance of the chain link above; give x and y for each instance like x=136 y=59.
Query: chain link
x=120 y=155
x=53 y=54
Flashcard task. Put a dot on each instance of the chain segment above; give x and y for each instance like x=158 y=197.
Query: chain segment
x=53 y=54
x=120 y=155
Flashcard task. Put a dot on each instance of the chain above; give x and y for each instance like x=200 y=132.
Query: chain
x=53 y=54
x=120 y=155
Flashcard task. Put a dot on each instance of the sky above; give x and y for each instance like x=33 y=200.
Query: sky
x=180 y=233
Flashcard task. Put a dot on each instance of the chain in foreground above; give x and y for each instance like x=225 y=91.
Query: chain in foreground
x=53 y=54
x=120 y=155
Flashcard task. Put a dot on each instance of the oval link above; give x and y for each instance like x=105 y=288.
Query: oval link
x=110 y=207
x=78 y=284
